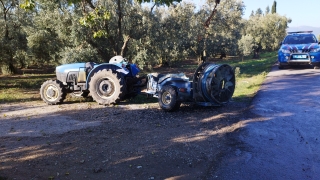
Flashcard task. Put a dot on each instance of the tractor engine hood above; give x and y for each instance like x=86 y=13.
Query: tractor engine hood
x=62 y=71
x=70 y=67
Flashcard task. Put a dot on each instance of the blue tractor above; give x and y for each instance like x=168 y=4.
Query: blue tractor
x=212 y=85
x=107 y=83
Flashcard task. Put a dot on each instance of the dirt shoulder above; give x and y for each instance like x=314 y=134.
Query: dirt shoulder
x=128 y=141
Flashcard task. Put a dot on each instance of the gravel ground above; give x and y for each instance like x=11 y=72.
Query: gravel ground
x=84 y=140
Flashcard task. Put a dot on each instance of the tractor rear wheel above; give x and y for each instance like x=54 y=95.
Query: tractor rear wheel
x=168 y=99
x=106 y=87
x=52 y=92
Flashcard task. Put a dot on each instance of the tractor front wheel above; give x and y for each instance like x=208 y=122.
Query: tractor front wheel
x=168 y=99
x=52 y=92
x=105 y=87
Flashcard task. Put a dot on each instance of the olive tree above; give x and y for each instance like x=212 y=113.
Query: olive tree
x=172 y=39
x=223 y=32
x=12 y=37
x=108 y=26
x=246 y=45
x=267 y=31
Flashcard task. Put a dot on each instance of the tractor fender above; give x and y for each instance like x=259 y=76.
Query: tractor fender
x=114 y=68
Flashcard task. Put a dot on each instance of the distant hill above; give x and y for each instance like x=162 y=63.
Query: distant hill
x=316 y=30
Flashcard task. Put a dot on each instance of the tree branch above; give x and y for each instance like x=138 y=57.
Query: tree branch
x=207 y=23
x=90 y=4
x=153 y=7
x=125 y=45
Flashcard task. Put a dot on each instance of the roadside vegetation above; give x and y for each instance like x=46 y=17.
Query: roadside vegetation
x=250 y=73
x=164 y=32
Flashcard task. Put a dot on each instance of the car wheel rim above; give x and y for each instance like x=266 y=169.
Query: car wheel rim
x=166 y=98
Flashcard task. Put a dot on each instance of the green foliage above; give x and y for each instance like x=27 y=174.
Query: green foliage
x=225 y=31
x=141 y=59
x=172 y=35
x=7 y=69
x=166 y=2
x=267 y=10
x=246 y=45
x=252 y=14
x=100 y=33
x=12 y=36
x=84 y=54
x=267 y=31
x=44 y=45
x=95 y=19
x=259 y=11
x=274 y=7
x=64 y=31
x=28 y=5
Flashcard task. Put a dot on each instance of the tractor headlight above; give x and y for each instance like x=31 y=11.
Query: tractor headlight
x=286 y=51
x=315 y=50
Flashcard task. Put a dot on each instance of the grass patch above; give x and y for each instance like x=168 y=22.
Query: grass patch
x=250 y=74
x=21 y=88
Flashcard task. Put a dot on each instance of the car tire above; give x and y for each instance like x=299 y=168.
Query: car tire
x=168 y=99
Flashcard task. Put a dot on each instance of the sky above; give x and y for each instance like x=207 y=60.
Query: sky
x=302 y=13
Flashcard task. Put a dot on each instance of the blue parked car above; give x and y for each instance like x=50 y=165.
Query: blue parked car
x=299 y=48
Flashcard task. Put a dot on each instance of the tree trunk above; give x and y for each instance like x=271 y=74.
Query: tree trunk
x=8 y=69
x=199 y=59
x=256 y=53
x=119 y=25
x=125 y=46
x=6 y=28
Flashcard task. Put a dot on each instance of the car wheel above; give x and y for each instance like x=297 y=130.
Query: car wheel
x=168 y=99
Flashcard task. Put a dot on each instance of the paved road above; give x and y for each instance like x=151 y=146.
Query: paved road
x=284 y=142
